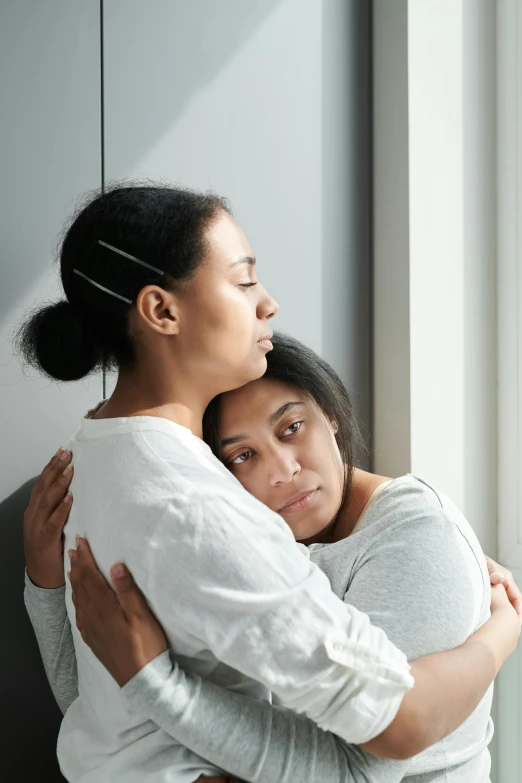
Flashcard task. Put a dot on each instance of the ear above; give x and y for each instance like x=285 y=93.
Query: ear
x=159 y=309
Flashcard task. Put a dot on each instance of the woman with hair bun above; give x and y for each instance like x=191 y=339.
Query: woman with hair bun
x=161 y=284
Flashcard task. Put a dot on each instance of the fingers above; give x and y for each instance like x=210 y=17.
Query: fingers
x=513 y=592
x=56 y=522
x=53 y=469
x=129 y=595
x=502 y=576
x=516 y=600
x=47 y=496
x=84 y=571
x=496 y=571
x=90 y=588
x=517 y=604
x=499 y=599
x=96 y=605
x=85 y=556
x=55 y=492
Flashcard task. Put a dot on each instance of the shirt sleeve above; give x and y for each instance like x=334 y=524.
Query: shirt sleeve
x=414 y=570
x=48 y=615
x=411 y=571
x=421 y=584
x=230 y=573
x=250 y=739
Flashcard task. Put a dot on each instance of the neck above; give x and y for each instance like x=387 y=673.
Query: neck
x=147 y=392
x=363 y=486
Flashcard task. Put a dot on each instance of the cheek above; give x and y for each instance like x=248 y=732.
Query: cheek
x=220 y=327
x=254 y=483
x=324 y=461
x=229 y=310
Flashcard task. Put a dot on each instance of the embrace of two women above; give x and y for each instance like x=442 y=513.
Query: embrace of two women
x=184 y=632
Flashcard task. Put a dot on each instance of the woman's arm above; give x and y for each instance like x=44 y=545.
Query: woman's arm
x=247 y=586
x=427 y=574
x=252 y=740
x=44 y=592
x=125 y=636
x=48 y=615
x=133 y=663
x=450 y=685
x=249 y=738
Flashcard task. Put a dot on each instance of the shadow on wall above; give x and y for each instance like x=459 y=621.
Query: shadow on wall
x=31 y=718
x=59 y=133
x=52 y=134
x=196 y=40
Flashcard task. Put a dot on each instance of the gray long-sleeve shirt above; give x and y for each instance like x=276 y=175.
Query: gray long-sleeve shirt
x=413 y=564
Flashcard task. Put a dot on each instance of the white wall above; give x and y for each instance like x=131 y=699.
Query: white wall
x=434 y=239
x=260 y=101
x=509 y=228
x=391 y=280
x=346 y=197
x=263 y=101
x=50 y=142
x=435 y=320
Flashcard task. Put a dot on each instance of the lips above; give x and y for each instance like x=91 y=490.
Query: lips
x=299 y=502
x=268 y=336
x=265 y=341
x=265 y=344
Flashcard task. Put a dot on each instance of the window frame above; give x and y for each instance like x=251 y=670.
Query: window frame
x=509 y=252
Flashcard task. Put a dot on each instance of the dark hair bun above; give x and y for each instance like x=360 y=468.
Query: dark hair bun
x=57 y=341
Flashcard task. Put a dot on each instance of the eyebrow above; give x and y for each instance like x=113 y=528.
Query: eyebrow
x=272 y=420
x=282 y=410
x=250 y=260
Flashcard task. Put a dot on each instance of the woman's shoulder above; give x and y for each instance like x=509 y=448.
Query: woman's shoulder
x=410 y=500
x=413 y=512
x=412 y=492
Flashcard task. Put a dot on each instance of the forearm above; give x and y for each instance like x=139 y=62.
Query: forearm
x=270 y=614
x=448 y=688
x=48 y=615
x=252 y=740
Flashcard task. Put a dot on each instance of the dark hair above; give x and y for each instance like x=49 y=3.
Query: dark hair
x=161 y=226
x=294 y=363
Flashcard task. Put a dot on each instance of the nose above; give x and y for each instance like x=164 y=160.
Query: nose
x=267 y=306
x=282 y=466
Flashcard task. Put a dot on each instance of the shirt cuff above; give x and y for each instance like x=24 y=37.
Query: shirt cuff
x=151 y=678
x=40 y=592
x=381 y=668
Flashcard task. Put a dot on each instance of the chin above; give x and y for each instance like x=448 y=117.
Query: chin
x=304 y=533
x=255 y=371
x=244 y=375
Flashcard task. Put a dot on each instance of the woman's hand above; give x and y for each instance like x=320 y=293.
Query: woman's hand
x=500 y=603
x=505 y=624
x=44 y=520
x=116 y=624
x=501 y=576
x=503 y=611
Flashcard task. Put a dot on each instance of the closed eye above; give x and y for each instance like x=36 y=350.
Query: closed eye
x=248 y=285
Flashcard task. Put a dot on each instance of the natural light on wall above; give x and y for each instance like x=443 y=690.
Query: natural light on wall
x=509 y=189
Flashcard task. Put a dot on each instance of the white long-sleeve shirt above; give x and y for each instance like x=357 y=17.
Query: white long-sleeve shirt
x=240 y=605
